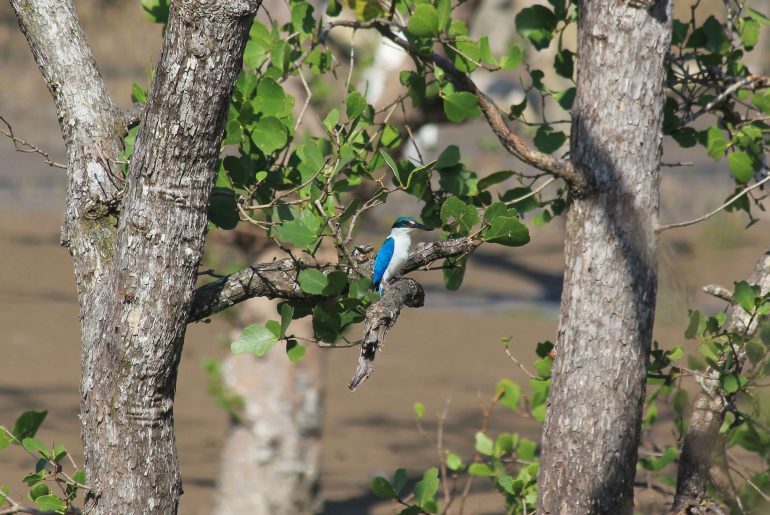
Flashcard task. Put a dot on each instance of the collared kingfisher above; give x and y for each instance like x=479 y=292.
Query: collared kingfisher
x=394 y=251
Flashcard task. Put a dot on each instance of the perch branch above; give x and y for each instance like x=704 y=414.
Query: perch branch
x=27 y=148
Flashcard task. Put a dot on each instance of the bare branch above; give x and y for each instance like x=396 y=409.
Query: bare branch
x=380 y=317
x=27 y=148
x=708 y=215
x=758 y=81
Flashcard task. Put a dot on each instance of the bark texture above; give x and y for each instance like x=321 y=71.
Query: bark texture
x=607 y=309
x=708 y=411
x=136 y=277
x=272 y=455
x=133 y=344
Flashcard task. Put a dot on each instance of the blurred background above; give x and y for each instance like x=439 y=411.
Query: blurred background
x=449 y=350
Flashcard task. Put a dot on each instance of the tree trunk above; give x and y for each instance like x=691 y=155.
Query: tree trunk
x=271 y=456
x=607 y=310
x=136 y=280
x=708 y=411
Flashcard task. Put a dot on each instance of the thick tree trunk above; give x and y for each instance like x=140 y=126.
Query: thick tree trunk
x=708 y=411
x=134 y=340
x=605 y=325
x=136 y=281
x=271 y=456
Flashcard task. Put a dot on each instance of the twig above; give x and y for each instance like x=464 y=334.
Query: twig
x=719 y=98
x=532 y=193
x=308 y=95
x=708 y=215
x=506 y=343
x=27 y=148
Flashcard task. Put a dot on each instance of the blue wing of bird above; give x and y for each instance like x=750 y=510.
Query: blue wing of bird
x=382 y=261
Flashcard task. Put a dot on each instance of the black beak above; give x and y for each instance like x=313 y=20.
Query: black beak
x=422 y=227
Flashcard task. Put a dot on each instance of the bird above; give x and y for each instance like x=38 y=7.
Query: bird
x=394 y=251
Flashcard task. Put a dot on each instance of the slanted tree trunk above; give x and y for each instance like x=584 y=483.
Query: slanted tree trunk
x=702 y=440
x=136 y=277
x=607 y=309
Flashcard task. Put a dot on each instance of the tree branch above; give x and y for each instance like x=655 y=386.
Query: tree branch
x=278 y=280
x=709 y=407
x=576 y=180
x=381 y=317
x=708 y=215
x=27 y=148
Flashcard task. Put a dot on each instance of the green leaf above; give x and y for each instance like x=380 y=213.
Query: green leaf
x=287 y=313
x=756 y=351
x=563 y=63
x=455 y=211
x=80 y=477
x=507 y=231
x=484 y=444
x=301 y=231
x=485 y=52
x=749 y=30
x=480 y=470
x=494 y=178
x=5 y=439
x=271 y=99
x=27 y=424
x=332 y=119
x=741 y=165
x=312 y=281
x=454 y=462
x=295 y=351
x=454 y=275
x=269 y=134
x=223 y=210
x=419 y=409
x=543 y=367
x=547 y=141
x=34 y=445
x=526 y=449
x=511 y=394
x=512 y=59
x=732 y=383
x=716 y=143
x=302 y=17
x=692 y=328
x=745 y=295
x=537 y=24
x=326 y=321
x=337 y=280
x=355 y=104
x=38 y=490
x=444 y=14
x=138 y=94
x=762 y=101
x=382 y=488
x=399 y=480
x=461 y=106
x=449 y=158
x=424 y=22
x=425 y=489
x=50 y=503
x=255 y=339
x=675 y=353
